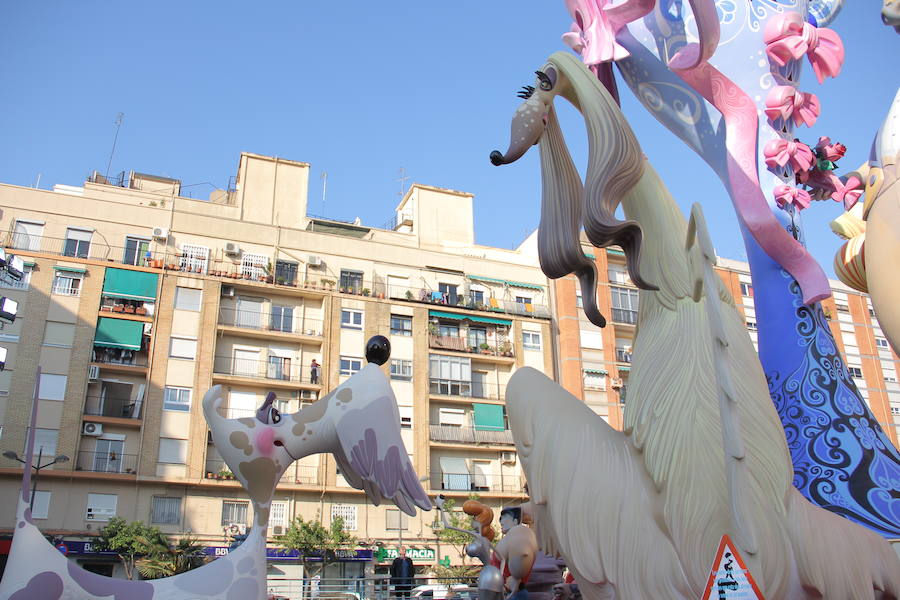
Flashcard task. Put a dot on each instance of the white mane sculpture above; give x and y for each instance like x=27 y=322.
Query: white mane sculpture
x=640 y=513
x=358 y=422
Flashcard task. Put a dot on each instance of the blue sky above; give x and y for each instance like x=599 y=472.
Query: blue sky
x=355 y=89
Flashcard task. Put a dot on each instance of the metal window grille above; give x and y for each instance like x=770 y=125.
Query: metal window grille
x=165 y=509
x=254 y=265
x=234 y=511
x=194 y=258
x=347 y=512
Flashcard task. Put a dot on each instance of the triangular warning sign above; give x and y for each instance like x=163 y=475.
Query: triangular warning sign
x=729 y=578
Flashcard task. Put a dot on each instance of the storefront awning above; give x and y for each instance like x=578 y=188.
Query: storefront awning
x=132 y=285
x=475 y=318
x=119 y=333
x=489 y=417
x=519 y=284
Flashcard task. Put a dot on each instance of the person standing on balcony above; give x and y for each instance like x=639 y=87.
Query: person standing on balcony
x=402 y=573
x=314 y=372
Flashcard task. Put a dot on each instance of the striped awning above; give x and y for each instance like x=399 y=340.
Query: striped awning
x=519 y=284
x=474 y=318
x=119 y=333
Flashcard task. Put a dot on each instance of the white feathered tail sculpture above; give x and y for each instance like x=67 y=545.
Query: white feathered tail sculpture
x=639 y=514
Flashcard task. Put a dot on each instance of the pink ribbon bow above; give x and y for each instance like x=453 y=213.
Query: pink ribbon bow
x=781 y=152
x=789 y=37
x=787 y=194
x=785 y=102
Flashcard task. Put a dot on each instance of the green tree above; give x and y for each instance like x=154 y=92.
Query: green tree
x=164 y=560
x=312 y=539
x=458 y=540
x=130 y=541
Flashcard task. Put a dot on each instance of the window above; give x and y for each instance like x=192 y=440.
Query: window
x=347 y=512
x=165 y=510
x=350 y=365
x=177 y=398
x=452 y=417
x=405 y=422
x=27 y=235
x=278 y=516
x=194 y=258
x=182 y=347
x=746 y=290
x=278 y=367
x=890 y=377
x=395 y=520
x=45 y=442
x=234 y=511
x=172 y=451
x=53 y=387
x=254 y=266
x=137 y=251
x=401 y=325
x=625 y=304
x=450 y=375
x=351 y=281
x=67 y=283
x=591 y=339
x=751 y=325
x=476 y=297
x=108 y=454
x=401 y=369
x=594 y=380
x=188 y=298
x=20 y=284
x=78 y=242
x=523 y=300
x=448 y=291
x=101 y=507
x=282 y=318
x=285 y=272
x=448 y=330
x=531 y=340
x=249 y=313
x=842 y=307
x=477 y=337
x=881 y=343
x=351 y=319
x=855 y=372
x=41 y=505
x=578 y=300
x=60 y=335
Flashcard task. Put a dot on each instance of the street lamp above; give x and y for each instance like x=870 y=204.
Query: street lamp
x=37 y=466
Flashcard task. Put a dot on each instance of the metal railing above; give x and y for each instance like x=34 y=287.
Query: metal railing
x=622 y=355
x=94 y=250
x=295 y=473
x=621 y=315
x=106 y=462
x=460 y=343
x=119 y=408
x=115 y=356
x=270 y=321
x=476 y=482
x=316 y=587
x=469 y=435
x=275 y=368
x=466 y=389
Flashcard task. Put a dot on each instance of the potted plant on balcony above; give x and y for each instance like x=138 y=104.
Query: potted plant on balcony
x=225 y=474
x=129 y=309
x=506 y=348
x=106 y=308
x=485 y=348
x=270 y=278
x=366 y=291
x=118 y=308
x=140 y=310
x=409 y=295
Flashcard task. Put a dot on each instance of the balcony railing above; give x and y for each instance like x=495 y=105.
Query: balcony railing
x=476 y=482
x=466 y=389
x=97 y=406
x=276 y=368
x=622 y=355
x=115 y=356
x=472 y=346
x=621 y=315
x=302 y=474
x=270 y=321
x=468 y=435
x=106 y=462
x=94 y=250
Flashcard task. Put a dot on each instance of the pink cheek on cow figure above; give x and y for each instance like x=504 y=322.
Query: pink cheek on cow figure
x=264 y=441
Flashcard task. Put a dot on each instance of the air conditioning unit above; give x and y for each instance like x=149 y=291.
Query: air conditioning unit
x=95 y=429
x=160 y=233
x=508 y=458
x=616 y=383
x=236 y=529
x=93 y=372
x=278 y=530
x=232 y=248
x=228 y=291
x=314 y=261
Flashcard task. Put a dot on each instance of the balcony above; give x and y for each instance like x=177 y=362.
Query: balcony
x=469 y=435
x=217 y=470
x=106 y=462
x=118 y=408
x=627 y=317
x=276 y=369
x=466 y=389
x=271 y=322
x=118 y=357
x=623 y=356
x=92 y=250
x=476 y=482
x=471 y=346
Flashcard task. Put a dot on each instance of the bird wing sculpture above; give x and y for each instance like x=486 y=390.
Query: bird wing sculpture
x=358 y=422
x=639 y=514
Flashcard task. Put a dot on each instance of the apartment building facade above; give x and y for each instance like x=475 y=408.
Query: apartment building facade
x=595 y=363
x=136 y=300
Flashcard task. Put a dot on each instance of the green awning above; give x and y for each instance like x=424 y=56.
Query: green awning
x=28 y=263
x=520 y=284
x=615 y=251
x=590 y=256
x=119 y=333
x=70 y=269
x=626 y=369
x=597 y=371
x=460 y=317
x=489 y=417
x=133 y=285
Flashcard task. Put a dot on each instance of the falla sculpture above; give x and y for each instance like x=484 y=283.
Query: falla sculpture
x=358 y=423
x=703 y=453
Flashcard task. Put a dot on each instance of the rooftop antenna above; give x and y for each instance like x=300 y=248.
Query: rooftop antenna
x=402 y=180
x=324 y=177
x=119 y=118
